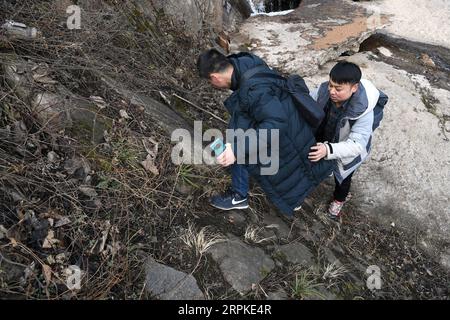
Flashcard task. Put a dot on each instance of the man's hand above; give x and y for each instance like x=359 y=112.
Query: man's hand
x=227 y=158
x=318 y=152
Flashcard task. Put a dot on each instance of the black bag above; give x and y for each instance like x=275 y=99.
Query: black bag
x=379 y=110
x=297 y=88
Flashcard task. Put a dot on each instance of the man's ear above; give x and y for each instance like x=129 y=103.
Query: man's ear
x=355 y=88
x=213 y=76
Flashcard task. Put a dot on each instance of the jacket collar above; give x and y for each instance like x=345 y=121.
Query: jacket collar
x=235 y=77
x=354 y=108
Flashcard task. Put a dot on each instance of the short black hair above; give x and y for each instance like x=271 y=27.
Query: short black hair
x=211 y=61
x=346 y=72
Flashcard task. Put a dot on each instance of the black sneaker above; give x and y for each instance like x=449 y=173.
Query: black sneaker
x=229 y=201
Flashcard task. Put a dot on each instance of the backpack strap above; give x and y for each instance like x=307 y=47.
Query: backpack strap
x=260 y=72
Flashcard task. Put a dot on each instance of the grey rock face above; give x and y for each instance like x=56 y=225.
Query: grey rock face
x=296 y=253
x=166 y=283
x=242 y=266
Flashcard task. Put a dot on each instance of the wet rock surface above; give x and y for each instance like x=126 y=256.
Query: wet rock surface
x=433 y=62
x=313 y=34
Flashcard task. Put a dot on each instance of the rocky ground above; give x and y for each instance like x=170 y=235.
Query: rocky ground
x=96 y=188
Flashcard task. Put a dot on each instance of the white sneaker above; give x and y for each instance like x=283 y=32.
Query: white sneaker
x=335 y=209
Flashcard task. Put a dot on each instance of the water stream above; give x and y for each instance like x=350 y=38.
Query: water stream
x=273 y=7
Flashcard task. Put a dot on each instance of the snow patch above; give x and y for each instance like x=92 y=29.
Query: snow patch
x=385 y=52
x=273 y=14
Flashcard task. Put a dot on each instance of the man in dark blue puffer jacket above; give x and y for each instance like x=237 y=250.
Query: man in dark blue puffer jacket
x=260 y=103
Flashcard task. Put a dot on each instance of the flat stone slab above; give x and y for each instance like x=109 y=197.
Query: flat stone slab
x=277 y=295
x=281 y=229
x=242 y=266
x=166 y=283
x=331 y=257
x=296 y=253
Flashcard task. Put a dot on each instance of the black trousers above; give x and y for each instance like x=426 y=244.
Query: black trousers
x=342 y=190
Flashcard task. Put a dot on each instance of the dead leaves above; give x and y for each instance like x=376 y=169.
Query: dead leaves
x=149 y=165
x=98 y=101
x=55 y=216
x=14 y=242
x=152 y=152
x=50 y=241
x=107 y=245
x=62 y=222
x=47 y=271
x=88 y=191
x=41 y=74
x=124 y=114
x=3 y=232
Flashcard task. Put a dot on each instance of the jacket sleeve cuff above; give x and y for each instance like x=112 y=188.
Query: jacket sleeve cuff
x=330 y=155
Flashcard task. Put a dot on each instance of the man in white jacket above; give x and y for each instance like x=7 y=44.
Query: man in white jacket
x=346 y=132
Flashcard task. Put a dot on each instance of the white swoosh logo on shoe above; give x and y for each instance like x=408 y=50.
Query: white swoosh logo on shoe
x=234 y=202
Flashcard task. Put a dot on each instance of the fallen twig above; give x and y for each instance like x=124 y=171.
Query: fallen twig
x=201 y=109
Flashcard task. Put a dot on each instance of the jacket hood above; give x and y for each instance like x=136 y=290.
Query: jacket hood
x=363 y=101
x=243 y=62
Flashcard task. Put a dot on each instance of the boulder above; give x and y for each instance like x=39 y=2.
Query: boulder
x=242 y=266
x=166 y=283
x=296 y=253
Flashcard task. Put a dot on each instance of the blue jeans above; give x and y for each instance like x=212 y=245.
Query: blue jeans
x=240 y=179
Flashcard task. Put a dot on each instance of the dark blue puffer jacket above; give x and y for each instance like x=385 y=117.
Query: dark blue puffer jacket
x=260 y=103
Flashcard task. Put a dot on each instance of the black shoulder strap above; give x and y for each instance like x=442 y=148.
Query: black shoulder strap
x=260 y=72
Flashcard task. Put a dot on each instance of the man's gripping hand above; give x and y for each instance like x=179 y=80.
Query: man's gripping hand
x=318 y=152
x=227 y=158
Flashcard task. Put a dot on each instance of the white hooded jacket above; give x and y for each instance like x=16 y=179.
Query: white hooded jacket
x=355 y=129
